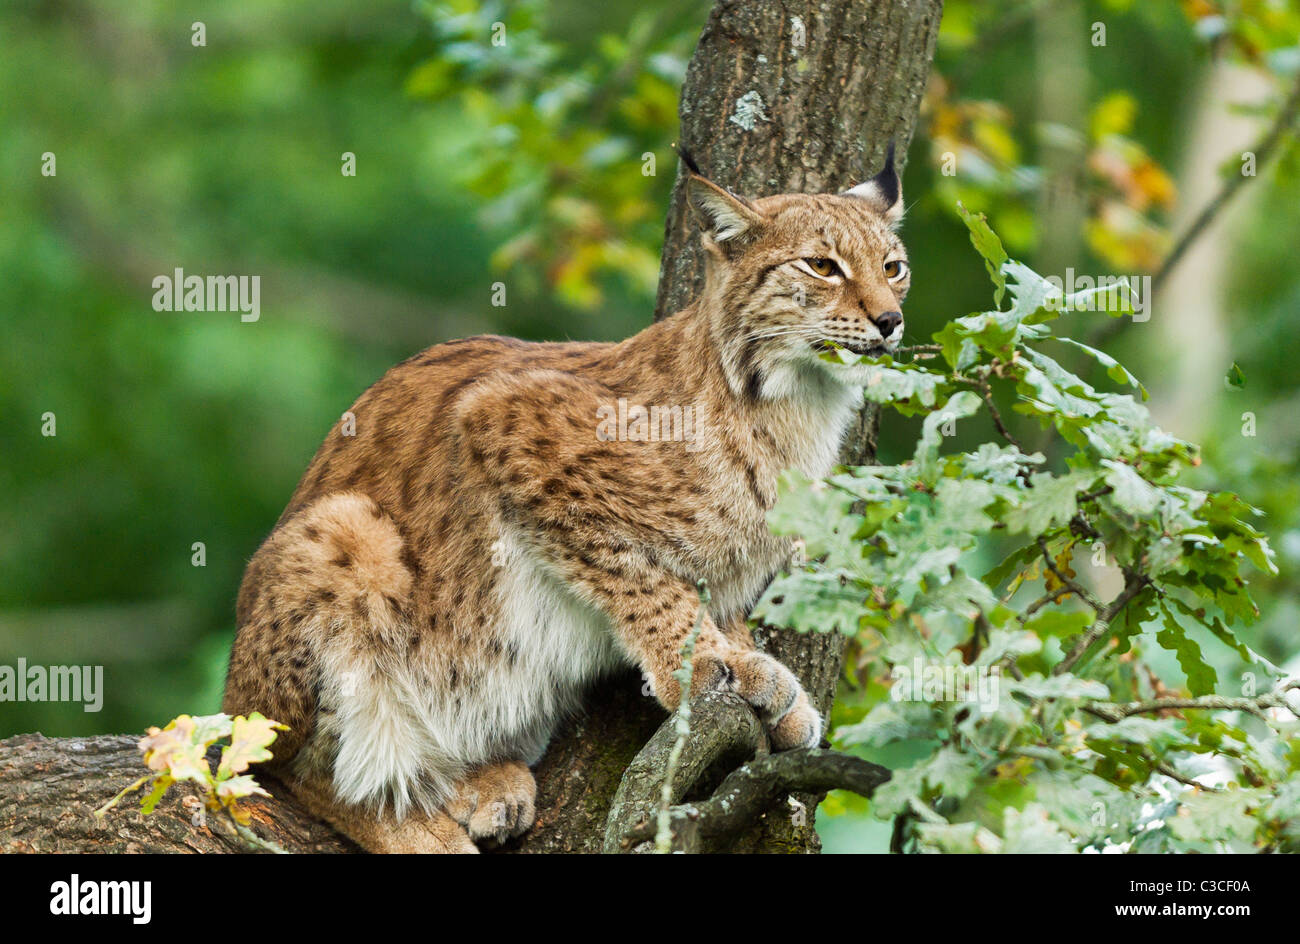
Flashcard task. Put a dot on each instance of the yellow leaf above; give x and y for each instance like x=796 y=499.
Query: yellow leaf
x=177 y=750
x=249 y=740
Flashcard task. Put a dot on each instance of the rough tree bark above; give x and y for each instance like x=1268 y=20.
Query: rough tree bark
x=780 y=95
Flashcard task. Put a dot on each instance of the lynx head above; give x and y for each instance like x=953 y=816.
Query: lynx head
x=788 y=273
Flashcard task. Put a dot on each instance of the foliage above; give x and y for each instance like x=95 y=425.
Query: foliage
x=1054 y=732
x=1126 y=194
x=566 y=158
x=175 y=429
x=178 y=753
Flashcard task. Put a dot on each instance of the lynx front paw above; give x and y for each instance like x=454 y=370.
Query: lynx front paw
x=496 y=801
x=778 y=698
x=765 y=683
x=800 y=727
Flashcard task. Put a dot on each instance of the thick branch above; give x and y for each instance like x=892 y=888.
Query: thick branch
x=50 y=787
x=749 y=792
x=724 y=732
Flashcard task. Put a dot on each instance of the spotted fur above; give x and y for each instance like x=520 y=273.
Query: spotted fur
x=445 y=582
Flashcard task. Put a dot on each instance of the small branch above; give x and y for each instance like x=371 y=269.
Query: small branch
x=663 y=839
x=1113 y=712
x=724 y=730
x=748 y=792
x=1071 y=585
x=921 y=352
x=1285 y=122
x=985 y=390
x=1044 y=600
x=1133 y=585
x=987 y=393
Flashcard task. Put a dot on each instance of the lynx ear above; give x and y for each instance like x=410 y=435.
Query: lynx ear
x=724 y=216
x=884 y=191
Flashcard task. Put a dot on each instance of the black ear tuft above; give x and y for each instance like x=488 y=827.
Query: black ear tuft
x=884 y=191
x=688 y=160
x=887 y=180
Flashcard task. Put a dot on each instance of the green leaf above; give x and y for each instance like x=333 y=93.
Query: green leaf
x=887 y=722
x=1114 y=369
x=961 y=405
x=989 y=247
x=1049 y=502
x=813 y=603
x=1201 y=677
x=1060 y=623
x=151 y=800
x=1013 y=563
x=951 y=772
x=1132 y=493
x=1058 y=686
x=1217 y=815
x=1032 y=832
x=1000 y=465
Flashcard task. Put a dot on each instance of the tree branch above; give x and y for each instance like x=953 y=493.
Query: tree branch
x=724 y=732
x=1133 y=584
x=1288 y=117
x=1113 y=711
x=749 y=791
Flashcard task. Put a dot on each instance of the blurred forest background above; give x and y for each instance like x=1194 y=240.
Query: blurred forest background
x=543 y=163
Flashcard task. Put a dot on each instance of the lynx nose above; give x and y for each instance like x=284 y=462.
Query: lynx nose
x=887 y=322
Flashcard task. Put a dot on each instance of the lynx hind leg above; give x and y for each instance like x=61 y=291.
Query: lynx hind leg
x=341 y=582
x=381 y=832
x=495 y=801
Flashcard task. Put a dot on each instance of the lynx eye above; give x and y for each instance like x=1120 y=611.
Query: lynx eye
x=822 y=266
x=895 y=269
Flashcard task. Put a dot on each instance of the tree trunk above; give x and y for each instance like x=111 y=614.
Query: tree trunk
x=780 y=95
x=787 y=96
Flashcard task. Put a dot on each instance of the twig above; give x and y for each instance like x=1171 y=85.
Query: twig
x=1113 y=711
x=664 y=835
x=985 y=390
x=1074 y=587
x=987 y=393
x=255 y=841
x=1046 y=598
x=1133 y=585
x=1287 y=118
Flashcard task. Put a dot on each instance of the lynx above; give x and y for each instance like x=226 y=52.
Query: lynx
x=447 y=579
